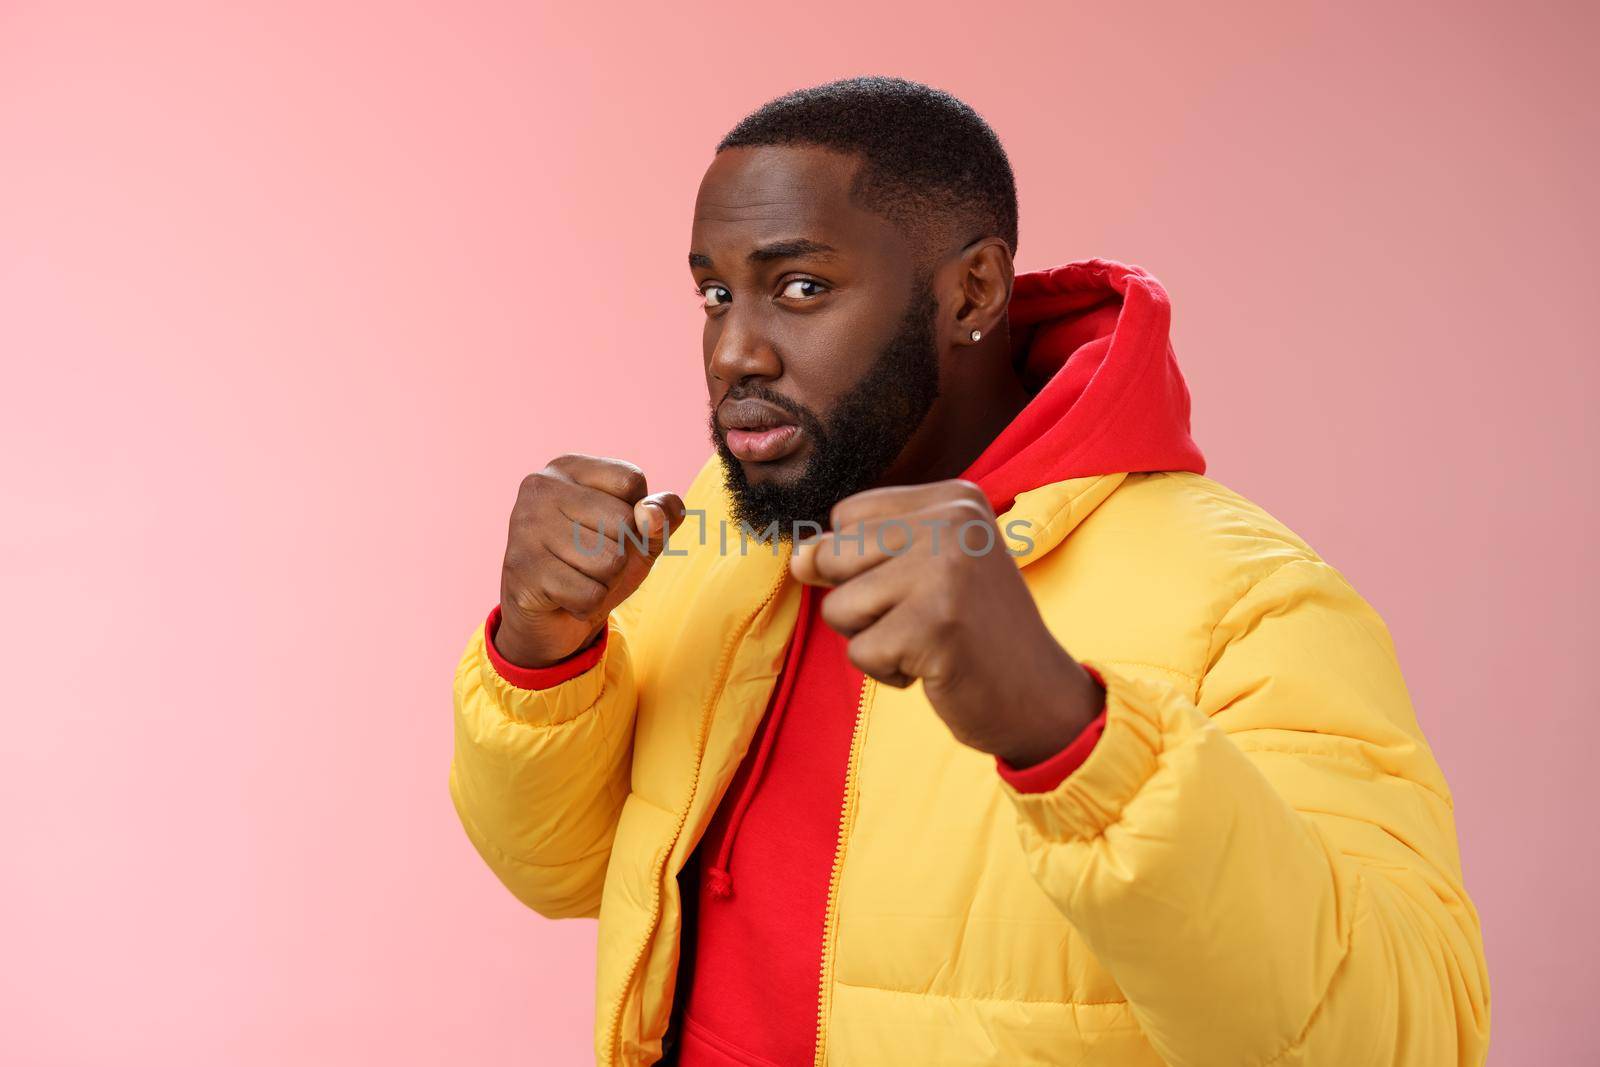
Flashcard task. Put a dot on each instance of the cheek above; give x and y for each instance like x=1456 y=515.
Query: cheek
x=822 y=360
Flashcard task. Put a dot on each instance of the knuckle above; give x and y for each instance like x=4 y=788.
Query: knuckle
x=968 y=490
x=533 y=484
x=965 y=510
x=974 y=529
x=627 y=479
x=613 y=560
x=526 y=601
x=557 y=469
x=588 y=597
x=616 y=521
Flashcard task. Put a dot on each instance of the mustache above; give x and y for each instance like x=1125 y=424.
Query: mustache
x=803 y=415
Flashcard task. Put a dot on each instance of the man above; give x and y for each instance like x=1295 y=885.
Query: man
x=1019 y=741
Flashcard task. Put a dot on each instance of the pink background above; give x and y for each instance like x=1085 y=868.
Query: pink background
x=290 y=300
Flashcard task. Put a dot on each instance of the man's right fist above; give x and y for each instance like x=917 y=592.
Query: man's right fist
x=567 y=562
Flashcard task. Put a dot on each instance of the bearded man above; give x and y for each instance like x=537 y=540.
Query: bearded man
x=1009 y=737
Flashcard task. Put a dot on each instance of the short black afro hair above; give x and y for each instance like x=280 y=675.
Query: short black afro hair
x=930 y=163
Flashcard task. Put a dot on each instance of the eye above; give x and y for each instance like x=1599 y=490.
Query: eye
x=713 y=295
x=803 y=289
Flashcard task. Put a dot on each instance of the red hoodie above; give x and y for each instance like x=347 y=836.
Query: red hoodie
x=1108 y=397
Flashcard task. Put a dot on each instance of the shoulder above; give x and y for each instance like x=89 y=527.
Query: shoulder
x=1188 y=524
x=1193 y=552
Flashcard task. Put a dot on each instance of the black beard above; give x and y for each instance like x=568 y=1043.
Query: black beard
x=863 y=436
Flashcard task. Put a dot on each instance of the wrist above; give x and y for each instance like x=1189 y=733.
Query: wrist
x=513 y=649
x=1054 y=717
x=535 y=678
x=528 y=654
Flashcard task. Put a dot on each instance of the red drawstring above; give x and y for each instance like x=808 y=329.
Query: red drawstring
x=719 y=879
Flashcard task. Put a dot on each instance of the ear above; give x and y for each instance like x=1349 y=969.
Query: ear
x=983 y=274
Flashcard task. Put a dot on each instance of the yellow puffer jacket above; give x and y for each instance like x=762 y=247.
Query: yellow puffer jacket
x=1256 y=865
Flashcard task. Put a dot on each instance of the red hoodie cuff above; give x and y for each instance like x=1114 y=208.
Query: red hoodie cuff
x=540 y=677
x=1046 y=775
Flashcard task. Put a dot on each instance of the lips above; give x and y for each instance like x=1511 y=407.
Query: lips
x=756 y=431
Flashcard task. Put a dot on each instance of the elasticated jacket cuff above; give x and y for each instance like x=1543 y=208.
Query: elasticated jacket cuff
x=1122 y=760
x=540 y=677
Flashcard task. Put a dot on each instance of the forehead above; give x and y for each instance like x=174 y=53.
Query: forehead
x=751 y=196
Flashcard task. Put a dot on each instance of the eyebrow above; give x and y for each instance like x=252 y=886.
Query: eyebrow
x=796 y=248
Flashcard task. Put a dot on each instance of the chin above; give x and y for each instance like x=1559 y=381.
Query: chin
x=781 y=472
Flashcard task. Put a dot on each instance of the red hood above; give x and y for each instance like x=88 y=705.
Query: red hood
x=1092 y=340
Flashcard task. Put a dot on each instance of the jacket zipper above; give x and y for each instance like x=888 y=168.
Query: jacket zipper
x=847 y=815
x=658 y=867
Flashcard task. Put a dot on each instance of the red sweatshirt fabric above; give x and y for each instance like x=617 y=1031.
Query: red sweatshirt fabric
x=1091 y=338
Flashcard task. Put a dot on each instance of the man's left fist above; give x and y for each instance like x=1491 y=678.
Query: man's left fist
x=925 y=589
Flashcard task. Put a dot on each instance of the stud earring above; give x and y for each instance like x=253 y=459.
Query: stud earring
x=977 y=335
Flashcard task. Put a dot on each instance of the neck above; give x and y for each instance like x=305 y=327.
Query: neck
x=978 y=398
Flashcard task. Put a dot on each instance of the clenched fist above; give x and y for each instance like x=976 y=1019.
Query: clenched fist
x=568 y=561
x=924 y=588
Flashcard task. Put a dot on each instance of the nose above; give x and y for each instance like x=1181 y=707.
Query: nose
x=738 y=349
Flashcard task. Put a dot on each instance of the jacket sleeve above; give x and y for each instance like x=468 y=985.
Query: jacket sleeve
x=1267 y=864
x=539 y=775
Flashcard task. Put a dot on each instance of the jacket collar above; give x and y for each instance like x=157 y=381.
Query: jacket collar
x=1046 y=515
